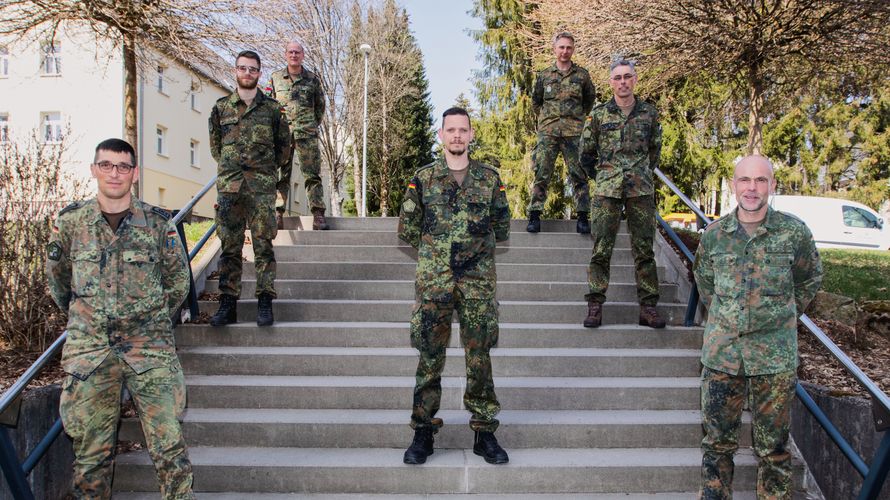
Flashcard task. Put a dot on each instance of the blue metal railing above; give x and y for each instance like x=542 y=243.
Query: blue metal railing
x=15 y=472
x=874 y=475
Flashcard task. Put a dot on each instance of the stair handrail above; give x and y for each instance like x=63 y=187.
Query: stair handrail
x=874 y=475
x=16 y=472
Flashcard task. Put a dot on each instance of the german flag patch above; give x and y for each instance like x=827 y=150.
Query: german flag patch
x=411 y=185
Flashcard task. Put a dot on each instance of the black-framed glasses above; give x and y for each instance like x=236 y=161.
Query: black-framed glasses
x=626 y=76
x=122 y=168
x=248 y=69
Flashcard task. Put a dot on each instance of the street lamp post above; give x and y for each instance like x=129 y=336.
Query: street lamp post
x=365 y=48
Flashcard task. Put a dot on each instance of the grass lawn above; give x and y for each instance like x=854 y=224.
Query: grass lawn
x=194 y=232
x=859 y=274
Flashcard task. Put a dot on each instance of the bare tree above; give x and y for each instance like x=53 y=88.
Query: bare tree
x=768 y=50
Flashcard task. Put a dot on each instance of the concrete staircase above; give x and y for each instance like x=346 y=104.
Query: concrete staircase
x=317 y=406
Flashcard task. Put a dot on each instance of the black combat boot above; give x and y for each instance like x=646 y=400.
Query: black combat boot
x=421 y=447
x=486 y=446
x=583 y=226
x=227 y=312
x=264 y=310
x=534 y=221
x=594 y=314
x=318 y=221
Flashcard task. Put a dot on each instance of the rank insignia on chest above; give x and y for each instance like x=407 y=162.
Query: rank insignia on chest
x=547 y=89
x=409 y=206
x=171 y=239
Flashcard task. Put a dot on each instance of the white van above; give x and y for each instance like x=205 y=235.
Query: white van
x=837 y=223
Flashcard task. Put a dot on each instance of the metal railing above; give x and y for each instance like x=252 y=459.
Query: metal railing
x=873 y=475
x=15 y=472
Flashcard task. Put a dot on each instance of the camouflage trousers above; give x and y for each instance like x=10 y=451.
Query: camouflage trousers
x=90 y=411
x=430 y=334
x=544 y=161
x=308 y=157
x=604 y=221
x=722 y=399
x=233 y=211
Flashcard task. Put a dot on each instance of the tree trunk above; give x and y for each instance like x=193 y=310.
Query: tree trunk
x=131 y=100
x=336 y=196
x=755 y=114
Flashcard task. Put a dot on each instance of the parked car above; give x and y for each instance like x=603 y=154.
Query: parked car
x=837 y=223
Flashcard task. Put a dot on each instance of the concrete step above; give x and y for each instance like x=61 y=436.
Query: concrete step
x=402 y=361
x=395 y=334
x=369 y=270
x=395 y=393
x=738 y=495
x=400 y=310
x=404 y=290
x=359 y=237
x=388 y=428
x=380 y=470
x=392 y=224
x=388 y=253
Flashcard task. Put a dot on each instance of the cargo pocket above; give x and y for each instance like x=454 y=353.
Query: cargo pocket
x=85 y=270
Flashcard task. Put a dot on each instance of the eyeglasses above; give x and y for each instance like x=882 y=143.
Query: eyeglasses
x=122 y=168
x=626 y=76
x=294 y=52
x=248 y=69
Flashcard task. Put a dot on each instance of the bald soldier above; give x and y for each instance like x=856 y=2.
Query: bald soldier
x=757 y=269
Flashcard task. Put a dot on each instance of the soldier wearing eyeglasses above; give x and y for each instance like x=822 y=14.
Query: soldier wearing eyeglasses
x=117 y=267
x=621 y=142
x=300 y=93
x=251 y=143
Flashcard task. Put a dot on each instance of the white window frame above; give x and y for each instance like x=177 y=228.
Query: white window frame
x=4 y=61
x=194 y=154
x=160 y=84
x=51 y=58
x=161 y=140
x=51 y=127
x=194 y=102
x=4 y=128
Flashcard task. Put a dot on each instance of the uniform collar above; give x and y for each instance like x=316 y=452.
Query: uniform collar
x=613 y=107
x=235 y=98
x=136 y=217
x=571 y=70
x=731 y=222
x=472 y=169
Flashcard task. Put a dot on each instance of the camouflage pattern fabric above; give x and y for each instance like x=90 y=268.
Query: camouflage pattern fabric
x=301 y=98
x=233 y=211
x=544 y=160
x=722 y=399
x=306 y=153
x=90 y=410
x=430 y=334
x=562 y=100
x=251 y=145
x=622 y=150
x=755 y=288
x=455 y=229
x=118 y=288
x=605 y=219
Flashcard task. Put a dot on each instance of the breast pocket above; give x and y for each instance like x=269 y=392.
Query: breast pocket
x=85 y=272
x=142 y=268
x=228 y=126
x=478 y=215
x=777 y=279
x=436 y=214
x=726 y=275
x=551 y=90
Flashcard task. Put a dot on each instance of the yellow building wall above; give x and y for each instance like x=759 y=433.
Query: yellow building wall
x=172 y=193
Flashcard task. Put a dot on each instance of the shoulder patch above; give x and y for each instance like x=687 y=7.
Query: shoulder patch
x=73 y=206
x=221 y=99
x=163 y=213
x=490 y=168
x=425 y=167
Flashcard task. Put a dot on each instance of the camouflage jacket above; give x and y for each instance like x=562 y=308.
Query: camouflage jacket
x=561 y=101
x=623 y=150
x=455 y=227
x=251 y=145
x=302 y=100
x=755 y=288
x=118 y=288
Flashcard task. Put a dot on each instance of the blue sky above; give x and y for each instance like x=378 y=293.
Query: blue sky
x=449 y=54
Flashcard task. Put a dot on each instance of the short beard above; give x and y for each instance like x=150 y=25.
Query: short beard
x=757 y=208
x=251 y=86
x=456 y=152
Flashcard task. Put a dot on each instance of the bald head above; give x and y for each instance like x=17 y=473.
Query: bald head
x=754 y=161
x=752 y=183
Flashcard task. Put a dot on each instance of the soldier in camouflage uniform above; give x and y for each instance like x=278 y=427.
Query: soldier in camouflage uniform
x=117 y=267
x=300 y=93
x=621 y=141
x=563 y=95
x=757 y=269
x=455 y=209
x=251 y=143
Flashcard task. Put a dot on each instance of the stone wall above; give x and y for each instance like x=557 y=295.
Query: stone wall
x=51 y=479
x=836 y=476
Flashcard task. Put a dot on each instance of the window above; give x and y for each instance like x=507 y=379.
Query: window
x=162 y=140
x=160 y=82
x=51 y=58
x=51 y=127
x=4 y=62
x=856 y=217
x=193 y=97
x=194 y=153
x=161 y=192
x=4 y=128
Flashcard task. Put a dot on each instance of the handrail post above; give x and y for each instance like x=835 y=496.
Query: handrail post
x=691 y=306
x=877 y=472
x=12 y=469
x=193 y=295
